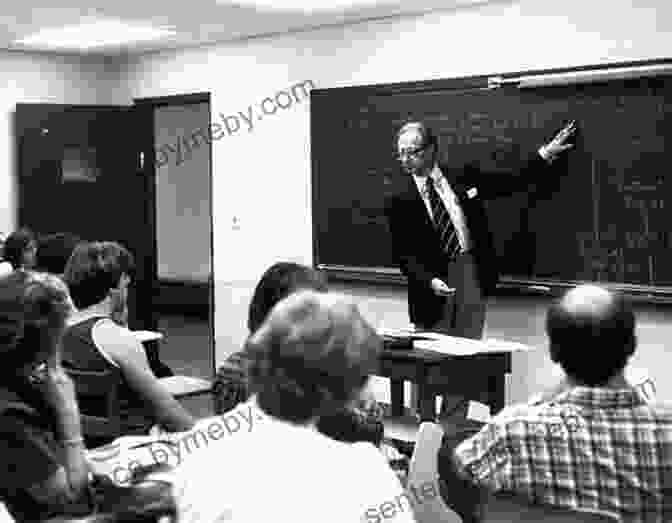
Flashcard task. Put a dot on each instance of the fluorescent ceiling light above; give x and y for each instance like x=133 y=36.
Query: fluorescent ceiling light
x=308 y=5
x=326 y=5
x=97 y=33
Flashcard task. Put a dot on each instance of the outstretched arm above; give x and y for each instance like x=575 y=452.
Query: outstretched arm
x=127 y=352
x=494 y=185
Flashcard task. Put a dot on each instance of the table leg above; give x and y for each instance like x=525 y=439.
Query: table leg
x=427 y=403
x=496 y=393
x=397 y=397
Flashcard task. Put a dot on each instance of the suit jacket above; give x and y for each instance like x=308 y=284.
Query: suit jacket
x=415 y=242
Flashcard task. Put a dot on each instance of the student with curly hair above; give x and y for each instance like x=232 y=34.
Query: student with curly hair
x=312 y=355
x=43 y=468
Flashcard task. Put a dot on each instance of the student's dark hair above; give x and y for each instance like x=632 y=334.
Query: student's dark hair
x=428 y=136
x=16 y=244
x=592 y=348
x=54 y=251
x=279 y=281
x=33 y=309
x=95 y=268
x=311 y=356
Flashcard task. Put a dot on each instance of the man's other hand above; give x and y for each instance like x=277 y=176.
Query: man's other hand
x=440 y=288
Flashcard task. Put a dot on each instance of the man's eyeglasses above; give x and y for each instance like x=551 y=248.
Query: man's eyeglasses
x=411 y=153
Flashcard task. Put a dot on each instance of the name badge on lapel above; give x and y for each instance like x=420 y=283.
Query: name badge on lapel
x=472 y=193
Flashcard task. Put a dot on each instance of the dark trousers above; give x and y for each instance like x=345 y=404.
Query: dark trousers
x=464 y=315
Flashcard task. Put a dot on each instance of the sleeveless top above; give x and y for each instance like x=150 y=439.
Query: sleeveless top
x=80 y=352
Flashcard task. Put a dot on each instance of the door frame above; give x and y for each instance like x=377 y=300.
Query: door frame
x=146 y=107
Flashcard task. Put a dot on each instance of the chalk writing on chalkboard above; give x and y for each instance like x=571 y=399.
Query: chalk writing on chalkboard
x=605 y=217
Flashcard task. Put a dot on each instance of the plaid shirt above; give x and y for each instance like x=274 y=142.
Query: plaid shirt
x=588 y=448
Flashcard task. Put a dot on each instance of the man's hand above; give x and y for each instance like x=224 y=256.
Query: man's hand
x=558 y=144
x=440 y=288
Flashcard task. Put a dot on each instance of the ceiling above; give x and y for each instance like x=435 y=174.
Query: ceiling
x=197 y=22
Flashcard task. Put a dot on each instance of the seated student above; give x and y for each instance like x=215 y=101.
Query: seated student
x=313 y=354
x=98 y=275
x=20 y=248
x=43 y=468
x=359 y=422
x=54 y=251
x=594 y=443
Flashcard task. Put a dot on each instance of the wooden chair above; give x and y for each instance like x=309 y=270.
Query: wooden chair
x=505 y=509
x=105 y=385
x=423 y=470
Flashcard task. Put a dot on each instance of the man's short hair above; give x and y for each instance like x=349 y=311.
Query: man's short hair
x=592 y=339
x=54 y=251
x=94 y=269
x=428 y=136
x=278 y=282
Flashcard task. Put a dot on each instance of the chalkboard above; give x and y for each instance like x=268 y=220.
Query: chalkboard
x=604 y=214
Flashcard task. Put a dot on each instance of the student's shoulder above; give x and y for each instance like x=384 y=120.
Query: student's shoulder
x=378 y=487
x=372 y=465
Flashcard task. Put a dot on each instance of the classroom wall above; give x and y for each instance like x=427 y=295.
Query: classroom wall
x=262 y=171
x=49 y=78
x=41 y=78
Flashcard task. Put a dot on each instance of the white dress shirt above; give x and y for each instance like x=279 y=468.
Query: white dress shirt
x=449 y=199
x=5 y=268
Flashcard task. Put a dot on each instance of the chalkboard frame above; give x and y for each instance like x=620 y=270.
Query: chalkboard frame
x=507 y=284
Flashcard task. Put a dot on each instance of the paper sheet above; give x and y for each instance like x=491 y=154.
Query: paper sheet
x=145 y=336
x=456 y=346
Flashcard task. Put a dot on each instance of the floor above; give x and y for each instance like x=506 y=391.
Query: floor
x=187 y=349
x=187 y=345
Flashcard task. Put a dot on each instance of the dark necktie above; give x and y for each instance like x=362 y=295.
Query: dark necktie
x=442 y=222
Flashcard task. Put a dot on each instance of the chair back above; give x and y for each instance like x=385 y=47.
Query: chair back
x=104 y=387
x=505 y=509
x=423 y=470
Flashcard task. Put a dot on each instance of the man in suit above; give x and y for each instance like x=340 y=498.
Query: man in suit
x=439 y=230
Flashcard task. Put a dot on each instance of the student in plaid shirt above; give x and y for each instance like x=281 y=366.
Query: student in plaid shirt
x=591 y=444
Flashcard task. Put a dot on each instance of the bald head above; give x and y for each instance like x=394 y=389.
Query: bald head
x=591 y=333
x=588 y=301
x=417 y=148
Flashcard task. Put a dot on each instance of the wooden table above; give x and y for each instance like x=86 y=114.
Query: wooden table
x=479 y=376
